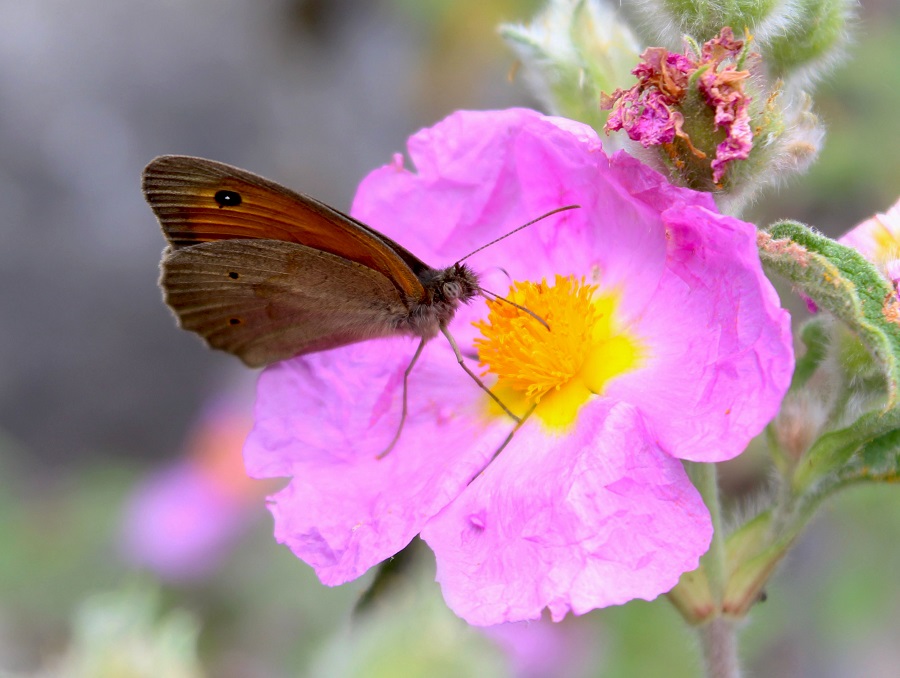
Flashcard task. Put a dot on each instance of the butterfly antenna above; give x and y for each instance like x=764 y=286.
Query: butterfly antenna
x=516 y=230
x=496 y=296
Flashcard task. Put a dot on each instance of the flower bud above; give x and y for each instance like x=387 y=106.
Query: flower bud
x=800 y=422
x=810 y=39
x=570 y=52
x=703 y=19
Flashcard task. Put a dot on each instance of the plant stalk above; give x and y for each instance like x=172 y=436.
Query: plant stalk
x=718 y=637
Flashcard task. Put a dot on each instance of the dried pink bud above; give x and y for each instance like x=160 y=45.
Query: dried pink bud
x=652 y=111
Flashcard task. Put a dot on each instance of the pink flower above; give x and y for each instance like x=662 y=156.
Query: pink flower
x=666 y=343
x=878 y=240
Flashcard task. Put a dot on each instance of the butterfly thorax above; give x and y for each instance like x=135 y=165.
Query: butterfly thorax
x=445 y=290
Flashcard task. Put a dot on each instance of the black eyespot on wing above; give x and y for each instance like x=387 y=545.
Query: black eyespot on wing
x=234 y=321
x=233 y=275
x=228 y=198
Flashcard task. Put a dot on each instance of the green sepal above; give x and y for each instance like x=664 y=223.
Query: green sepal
x=753 y=552
x=867 y=450
x=693 y=598
x=840 y=280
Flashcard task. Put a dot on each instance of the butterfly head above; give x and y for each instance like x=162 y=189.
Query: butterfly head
x=445 y=290
x=459 y=283
x=454 y=285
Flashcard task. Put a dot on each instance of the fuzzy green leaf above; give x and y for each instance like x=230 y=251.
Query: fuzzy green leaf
x=867 y=450
x=840 y=280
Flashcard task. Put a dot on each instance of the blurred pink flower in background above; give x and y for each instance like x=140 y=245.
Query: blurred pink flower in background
x=667 y=342
x=540 y=649
x=182 y=520
x=878 y=240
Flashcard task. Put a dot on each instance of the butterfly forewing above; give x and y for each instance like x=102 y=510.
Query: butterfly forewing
x=183 y=193
x=267 y=300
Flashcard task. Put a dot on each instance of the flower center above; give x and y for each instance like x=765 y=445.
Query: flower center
x=559 y=369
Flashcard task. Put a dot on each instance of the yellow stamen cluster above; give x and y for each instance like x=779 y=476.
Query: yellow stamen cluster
x=560 y=368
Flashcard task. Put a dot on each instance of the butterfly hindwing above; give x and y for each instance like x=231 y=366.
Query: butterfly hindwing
x=268 y=300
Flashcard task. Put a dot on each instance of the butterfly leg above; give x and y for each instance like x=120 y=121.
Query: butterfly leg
x=509 y=438
x=474 y=376
x=415 y=358
x=506 y=441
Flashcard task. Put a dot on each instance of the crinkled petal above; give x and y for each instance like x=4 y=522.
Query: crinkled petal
x=724 y=91
x=645 y=116
x=720 y=353
x=322 y=420
x=596 y=518
x=462 y=156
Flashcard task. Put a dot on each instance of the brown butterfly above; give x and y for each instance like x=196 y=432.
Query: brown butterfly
x=265 y=273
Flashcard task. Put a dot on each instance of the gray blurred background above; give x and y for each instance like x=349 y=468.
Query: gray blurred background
x=313 y=93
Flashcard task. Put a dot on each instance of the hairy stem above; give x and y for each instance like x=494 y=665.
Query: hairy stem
x=713 y=561
x=719 y=642
x=718 y=637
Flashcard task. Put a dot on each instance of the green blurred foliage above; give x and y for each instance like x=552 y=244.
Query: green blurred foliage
x=263 y=613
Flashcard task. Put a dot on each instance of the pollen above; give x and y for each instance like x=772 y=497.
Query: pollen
x=555 y=370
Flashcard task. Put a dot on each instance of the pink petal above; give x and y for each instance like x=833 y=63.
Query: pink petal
x=876 y=238
x=322 y=420
x=571 y=524
x=721 y=353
